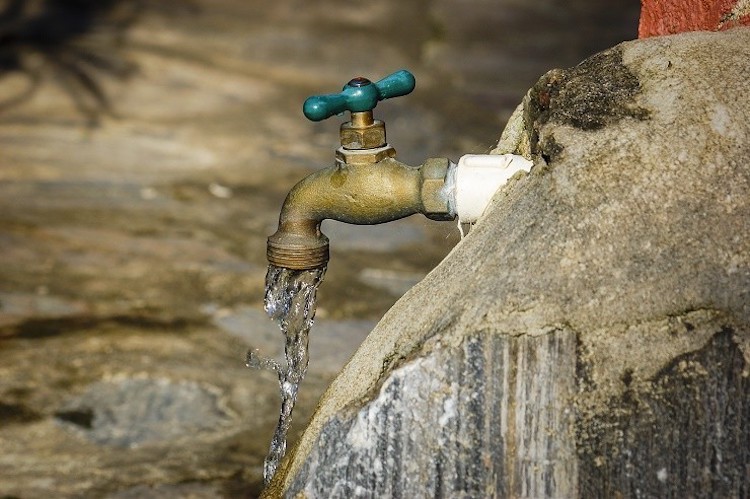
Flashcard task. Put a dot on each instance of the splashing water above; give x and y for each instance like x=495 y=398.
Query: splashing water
x=290 y=301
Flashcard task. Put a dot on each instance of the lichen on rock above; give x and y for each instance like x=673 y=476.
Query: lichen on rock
x=597 y=92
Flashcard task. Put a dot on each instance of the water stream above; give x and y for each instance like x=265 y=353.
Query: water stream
x=290 y=301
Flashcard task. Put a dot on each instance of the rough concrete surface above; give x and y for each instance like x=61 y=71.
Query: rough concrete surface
x=590 y=335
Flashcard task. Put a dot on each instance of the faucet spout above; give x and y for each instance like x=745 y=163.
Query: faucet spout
x=362 y=194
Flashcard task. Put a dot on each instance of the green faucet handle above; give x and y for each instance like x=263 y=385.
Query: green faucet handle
x=359 y=95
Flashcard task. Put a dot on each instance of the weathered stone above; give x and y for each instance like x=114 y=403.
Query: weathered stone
x=391 y=448
x=591 y=335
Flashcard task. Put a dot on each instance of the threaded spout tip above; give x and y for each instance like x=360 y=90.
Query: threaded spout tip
x=298 y=252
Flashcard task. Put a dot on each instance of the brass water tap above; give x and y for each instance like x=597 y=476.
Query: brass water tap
x=366 y=185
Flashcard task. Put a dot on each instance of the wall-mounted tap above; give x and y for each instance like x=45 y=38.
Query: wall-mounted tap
x=366 y=185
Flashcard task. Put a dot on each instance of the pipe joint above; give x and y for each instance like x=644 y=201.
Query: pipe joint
x=435 y=201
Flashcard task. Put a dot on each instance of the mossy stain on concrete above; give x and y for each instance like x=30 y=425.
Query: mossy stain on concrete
x=596 y=93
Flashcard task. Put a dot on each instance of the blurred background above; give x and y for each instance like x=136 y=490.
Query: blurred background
x=145 y=150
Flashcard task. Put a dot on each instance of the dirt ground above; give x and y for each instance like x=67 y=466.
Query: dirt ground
x=140 y=177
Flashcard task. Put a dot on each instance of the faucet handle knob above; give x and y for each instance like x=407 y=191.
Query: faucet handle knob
x=359 y=95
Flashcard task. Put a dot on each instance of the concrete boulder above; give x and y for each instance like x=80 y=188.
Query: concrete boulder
x=591 y=335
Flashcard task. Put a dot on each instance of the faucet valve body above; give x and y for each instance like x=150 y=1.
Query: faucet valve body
x=365 y=186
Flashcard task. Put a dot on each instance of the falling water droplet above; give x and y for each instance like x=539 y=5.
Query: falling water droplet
x=256 y=361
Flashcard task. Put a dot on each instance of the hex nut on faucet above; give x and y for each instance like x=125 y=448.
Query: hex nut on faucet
x=434 y=202
x=370 y=136
x=364 y=156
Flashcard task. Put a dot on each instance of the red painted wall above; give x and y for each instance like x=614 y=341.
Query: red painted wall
x=665 y=17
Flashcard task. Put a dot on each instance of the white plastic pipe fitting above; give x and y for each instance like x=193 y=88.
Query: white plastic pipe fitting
x=474 y=180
